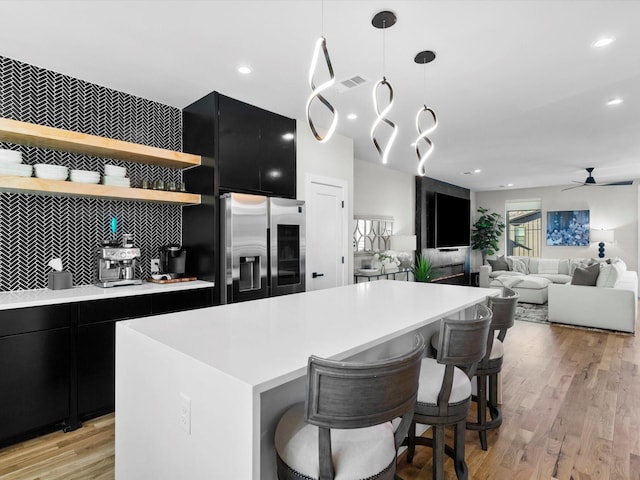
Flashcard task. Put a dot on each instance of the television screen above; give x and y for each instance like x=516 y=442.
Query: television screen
x=453 y=220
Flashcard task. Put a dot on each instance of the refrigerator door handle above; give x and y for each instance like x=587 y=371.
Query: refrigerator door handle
x=316 y=275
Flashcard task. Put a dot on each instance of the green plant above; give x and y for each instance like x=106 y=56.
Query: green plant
x=423 y=269
x=486 y=233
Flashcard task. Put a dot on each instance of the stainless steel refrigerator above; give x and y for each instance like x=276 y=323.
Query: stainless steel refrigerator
x=263 y=243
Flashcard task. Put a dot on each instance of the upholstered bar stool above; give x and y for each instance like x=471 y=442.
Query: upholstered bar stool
x=343 y=429
x=504 y=311
x=444 y=395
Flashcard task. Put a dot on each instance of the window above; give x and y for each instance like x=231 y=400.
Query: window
x=524 y=228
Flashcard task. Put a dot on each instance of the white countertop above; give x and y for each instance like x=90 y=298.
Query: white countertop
x=267 y=342
x=44 y=296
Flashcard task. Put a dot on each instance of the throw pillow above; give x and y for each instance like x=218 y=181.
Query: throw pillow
x=518 y=265
x=499 y=264
x=578 y=263
x=586 y=276
x=619 y=262
x=608 y=276
x=548 y=265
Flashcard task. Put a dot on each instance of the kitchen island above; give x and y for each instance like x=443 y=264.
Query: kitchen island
x=199 y=393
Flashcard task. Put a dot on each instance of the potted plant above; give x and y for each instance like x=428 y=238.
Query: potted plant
x=423 y=269
x=486 y=233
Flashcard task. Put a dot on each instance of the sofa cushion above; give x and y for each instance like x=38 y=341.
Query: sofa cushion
x=555 y=277
x=522 y=281
x=499 y=263
x=619 y=262
x=586 y=276
x=507 y=273
x=563 y=266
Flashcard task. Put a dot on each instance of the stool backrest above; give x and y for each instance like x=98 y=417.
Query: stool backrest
x=358 y=394
x=504 y=314
x=462 y=344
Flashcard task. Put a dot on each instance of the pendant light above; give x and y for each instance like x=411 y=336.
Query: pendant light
x=423 y=58
x=383 y=20
x=316 y=91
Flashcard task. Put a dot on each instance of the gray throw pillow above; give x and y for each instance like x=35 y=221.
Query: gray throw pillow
x=586 y=276
x=499 y=263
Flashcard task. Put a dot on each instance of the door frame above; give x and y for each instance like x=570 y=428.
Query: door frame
x=311 y=178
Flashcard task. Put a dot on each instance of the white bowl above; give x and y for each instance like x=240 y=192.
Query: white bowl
x=10 y=156
x=51 y=172
x=115 y=171
x=116 y=181
x=84 y=176
x=16 y=169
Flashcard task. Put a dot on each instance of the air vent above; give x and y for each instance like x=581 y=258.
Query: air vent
x=351 y=82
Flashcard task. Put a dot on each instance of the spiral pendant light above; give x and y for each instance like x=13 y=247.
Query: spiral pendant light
x=316 y=91
x=423 y=58
x=383 y=20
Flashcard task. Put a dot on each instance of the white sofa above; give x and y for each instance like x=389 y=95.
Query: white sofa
x=529 y=276
x=611 y=304
x=611 y=308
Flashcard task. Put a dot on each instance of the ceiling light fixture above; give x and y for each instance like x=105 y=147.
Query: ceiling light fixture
x=615 y=101
x=423 y=58
x=603 y=42
x=244 y=70
x=383 y=20
x=352 y=116
x=321 y=45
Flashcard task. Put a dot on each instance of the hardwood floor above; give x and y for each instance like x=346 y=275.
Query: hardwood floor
x=571 y=408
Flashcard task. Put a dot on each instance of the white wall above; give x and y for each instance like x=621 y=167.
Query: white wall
x=333 y=159
x=382 y=191
x=610 y=208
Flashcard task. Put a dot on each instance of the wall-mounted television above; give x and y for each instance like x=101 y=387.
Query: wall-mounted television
x=452 y=222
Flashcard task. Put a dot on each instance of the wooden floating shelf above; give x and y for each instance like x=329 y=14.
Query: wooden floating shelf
x=40 y=186
x=30 y=134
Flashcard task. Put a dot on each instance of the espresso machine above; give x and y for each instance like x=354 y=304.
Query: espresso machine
x=118 y=265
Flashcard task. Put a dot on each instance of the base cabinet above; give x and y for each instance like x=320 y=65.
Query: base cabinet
x=57 y=362
x=34 y=371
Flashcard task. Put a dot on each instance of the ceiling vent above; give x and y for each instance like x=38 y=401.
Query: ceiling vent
x=350 y=83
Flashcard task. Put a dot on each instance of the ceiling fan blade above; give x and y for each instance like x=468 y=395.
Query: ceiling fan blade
x=575 y=186
x=612 y=184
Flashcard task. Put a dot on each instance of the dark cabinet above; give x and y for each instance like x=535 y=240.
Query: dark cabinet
x=254 y=149
x=182 y=300
x=35 y=371
x=96 y=350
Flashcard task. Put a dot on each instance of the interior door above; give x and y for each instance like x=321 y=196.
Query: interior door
x=326 y=236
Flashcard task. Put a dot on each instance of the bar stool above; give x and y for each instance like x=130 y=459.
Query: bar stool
x=504 y=311
x=444 y=396
x=344 y=427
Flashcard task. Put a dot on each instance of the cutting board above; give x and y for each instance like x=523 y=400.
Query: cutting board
x=173 y=280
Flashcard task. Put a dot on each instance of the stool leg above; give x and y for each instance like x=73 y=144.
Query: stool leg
x=411 y=444
x=438 y=452
x=458 y=444
x=481 y=382
x=494 y=408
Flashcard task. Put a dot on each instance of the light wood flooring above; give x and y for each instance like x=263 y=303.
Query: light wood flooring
x=571 y=411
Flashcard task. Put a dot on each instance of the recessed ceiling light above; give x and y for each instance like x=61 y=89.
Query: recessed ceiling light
x=509 y=184
x=244 y=70
x=615 y=101
x=477 y=170
x=603 y=42
x=352 y=116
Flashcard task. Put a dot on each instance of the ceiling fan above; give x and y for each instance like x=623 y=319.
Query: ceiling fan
x=591 y=182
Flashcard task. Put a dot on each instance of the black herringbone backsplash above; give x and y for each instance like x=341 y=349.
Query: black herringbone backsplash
x=36 y=228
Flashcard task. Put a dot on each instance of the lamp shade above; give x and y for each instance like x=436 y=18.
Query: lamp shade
x=403 y=243
x=601 y=235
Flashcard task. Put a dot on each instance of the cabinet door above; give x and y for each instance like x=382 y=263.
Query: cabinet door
x=34 y=373
x=96 y=350
x=278 y=156
x=96 y=369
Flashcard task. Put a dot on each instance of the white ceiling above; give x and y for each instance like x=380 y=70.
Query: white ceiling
x=518 y=89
